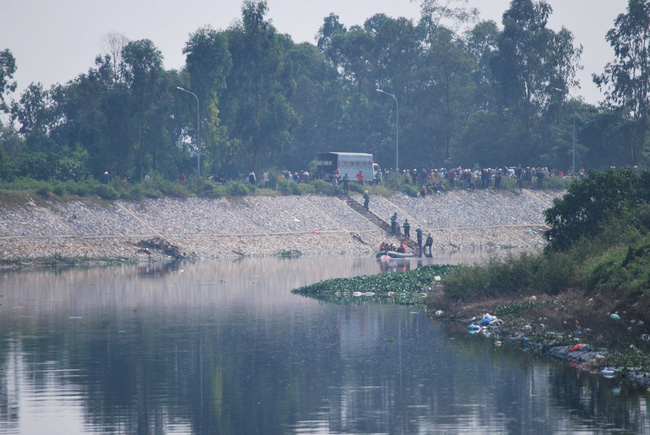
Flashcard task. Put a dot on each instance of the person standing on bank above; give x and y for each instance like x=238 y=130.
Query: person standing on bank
x=366 y=200
x=360 y=177
x=419 y=234
x=407 y=229
x=346 y=184
x=428 y=244
x=393 y=223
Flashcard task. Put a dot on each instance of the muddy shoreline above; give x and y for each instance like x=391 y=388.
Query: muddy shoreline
x=569 y=327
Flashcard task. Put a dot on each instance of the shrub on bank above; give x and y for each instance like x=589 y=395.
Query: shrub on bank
x=105 y=191
x=393 y=181
x=556 y=183
x=236 y=188
x=516 y=275
x=287 y=187
x=44 y=190
x=78 y=189
x=322 y=187
x=356 y=187
x=306 y=189
x=410 y=190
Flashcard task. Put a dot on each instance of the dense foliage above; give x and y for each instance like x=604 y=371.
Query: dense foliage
x=468 y=93
x=599 y=242
x=593 y=202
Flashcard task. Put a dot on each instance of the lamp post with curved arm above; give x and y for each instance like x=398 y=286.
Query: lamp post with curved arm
x=396 y=128
x=198 y=130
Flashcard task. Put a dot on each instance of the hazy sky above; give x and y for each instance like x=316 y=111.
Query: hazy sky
x=53 y=41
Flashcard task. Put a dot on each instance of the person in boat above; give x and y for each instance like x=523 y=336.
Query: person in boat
x=402 y=247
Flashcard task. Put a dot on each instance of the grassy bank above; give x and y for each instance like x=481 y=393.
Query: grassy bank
x=158 y=187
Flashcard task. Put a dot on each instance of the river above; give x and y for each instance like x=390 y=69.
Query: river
x=225 y=348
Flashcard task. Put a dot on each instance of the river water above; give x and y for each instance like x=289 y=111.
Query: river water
x=225 y=348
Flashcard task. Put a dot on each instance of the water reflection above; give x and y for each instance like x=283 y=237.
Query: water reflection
x=226 y=348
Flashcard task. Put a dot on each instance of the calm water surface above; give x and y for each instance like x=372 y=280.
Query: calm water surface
x=225 y=348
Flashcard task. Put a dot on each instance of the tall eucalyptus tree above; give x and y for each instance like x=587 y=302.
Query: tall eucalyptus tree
x=7 y=71
x=255 y=107
x=626 y=80
x=208 y=64
x=530 y=64
x=142 y=68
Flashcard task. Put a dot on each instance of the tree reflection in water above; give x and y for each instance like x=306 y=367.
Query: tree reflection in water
x=226 y=348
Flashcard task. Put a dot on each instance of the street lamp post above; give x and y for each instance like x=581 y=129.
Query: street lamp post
x=396 y=128
x=198 y=130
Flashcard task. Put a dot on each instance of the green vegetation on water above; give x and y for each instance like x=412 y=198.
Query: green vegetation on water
x=408 y=287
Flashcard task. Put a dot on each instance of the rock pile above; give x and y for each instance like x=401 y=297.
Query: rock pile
x=265 y=225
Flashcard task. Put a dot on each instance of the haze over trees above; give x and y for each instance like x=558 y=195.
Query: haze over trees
x=471 y=93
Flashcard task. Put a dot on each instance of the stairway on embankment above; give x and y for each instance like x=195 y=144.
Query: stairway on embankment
x=376 y=220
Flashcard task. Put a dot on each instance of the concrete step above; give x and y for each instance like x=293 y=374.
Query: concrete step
x=376 y=220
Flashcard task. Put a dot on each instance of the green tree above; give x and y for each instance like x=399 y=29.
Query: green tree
x=626 y=80
x=208 y=63
x=34 y=113
x=98 y=118
x=143 y=70
x=451 y=67
x=531 y=63
x=11 y=143
x=257 y=112
x=316 y=99
x=591 y=202
x=481 y=43
x=7 y=71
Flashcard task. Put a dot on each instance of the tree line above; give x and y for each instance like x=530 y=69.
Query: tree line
x=455 y=91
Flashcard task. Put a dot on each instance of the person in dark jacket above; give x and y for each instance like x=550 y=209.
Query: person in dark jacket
x=427 y=245
x=407 y=229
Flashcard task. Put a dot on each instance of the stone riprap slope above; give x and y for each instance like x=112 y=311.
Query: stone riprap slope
x=267 y=225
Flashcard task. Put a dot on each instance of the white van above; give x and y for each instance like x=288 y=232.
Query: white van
x=348 y=163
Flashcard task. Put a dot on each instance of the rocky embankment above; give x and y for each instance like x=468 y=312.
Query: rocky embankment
x=265 y=225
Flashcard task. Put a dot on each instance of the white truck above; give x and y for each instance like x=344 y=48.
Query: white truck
x=347 y=163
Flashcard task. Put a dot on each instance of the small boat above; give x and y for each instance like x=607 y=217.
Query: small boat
x=395 y=254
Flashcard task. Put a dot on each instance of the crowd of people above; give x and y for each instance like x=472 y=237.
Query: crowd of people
x=430 y=181
x=434 y=180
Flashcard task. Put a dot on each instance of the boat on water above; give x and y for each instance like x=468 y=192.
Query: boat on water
x=395 y=254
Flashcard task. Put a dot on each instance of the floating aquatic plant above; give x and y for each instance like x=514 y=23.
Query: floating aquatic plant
x=405 y=288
